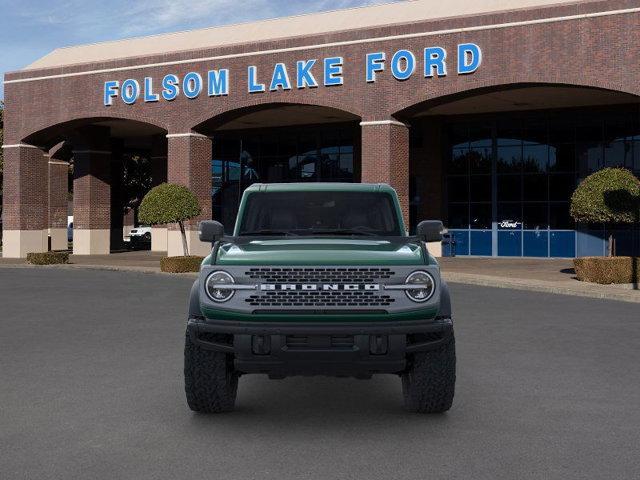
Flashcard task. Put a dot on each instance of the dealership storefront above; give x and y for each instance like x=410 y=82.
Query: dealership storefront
x=482 y=117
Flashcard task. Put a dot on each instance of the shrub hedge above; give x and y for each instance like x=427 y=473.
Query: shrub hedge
x=607 y=270
x=610 y=195
x=48 y=258
x=186 y=264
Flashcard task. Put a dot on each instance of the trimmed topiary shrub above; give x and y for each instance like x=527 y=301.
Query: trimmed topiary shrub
x=607 y=270
x=611 y=195
x=48 y=258
x=169 y=203
x=181 y=264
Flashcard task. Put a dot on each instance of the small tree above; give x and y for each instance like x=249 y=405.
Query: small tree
x=611 y=195
x=169 y=203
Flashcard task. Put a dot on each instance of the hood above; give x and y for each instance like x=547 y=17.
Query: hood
x=322 y=251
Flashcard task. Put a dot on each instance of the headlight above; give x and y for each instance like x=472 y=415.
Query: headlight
x=425 y=286
x=215 y=284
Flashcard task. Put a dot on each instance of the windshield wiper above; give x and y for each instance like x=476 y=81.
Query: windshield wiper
x=268 y=231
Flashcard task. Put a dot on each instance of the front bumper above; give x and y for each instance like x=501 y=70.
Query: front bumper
x=344 y=349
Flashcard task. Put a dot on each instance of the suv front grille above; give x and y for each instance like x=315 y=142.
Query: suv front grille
x=319 y=299
x=320 y=274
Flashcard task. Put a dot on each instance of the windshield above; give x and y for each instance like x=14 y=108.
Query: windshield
x=320 y=213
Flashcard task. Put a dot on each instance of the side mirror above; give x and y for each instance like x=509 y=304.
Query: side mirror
x=430 y=230
x=210 y=231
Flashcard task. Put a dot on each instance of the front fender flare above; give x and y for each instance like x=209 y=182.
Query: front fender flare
x=194 y=300
x=445 y=301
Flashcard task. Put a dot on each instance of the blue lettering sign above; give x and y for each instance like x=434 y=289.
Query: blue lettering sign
x=149 y=96
x=254 y=87
x=130 y=91
x=280 y=78
x=304 y=77
x=434 y=59
x=469 y=58
x=403 y=64
x=333 y=71
x=110 y=92
x=375 y=63
x=218 y=82
x=192 y=85
x=170 y=87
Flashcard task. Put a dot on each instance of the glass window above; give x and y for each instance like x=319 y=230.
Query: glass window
x=480 y=216
x=510 y=159
x=480 y=160
x=559 y=218
x=589 y=130
x=535 y=133
x=535 y=188
x=535 y=216
x=458 y=215
x=509 y=187
x=481 y=188
x=458 y=189
x=509 y=133
x=509 y=215
x=331 y=213
x=561 y=186
x=480 y=136
x=459 y=161
x=618 y=154
x=589 y=157
x=562 y=157
x=535 y=158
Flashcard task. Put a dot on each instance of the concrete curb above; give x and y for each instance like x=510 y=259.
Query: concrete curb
x=573 y=287
x=112 y=268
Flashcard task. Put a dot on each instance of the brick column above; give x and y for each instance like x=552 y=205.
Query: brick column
x=58 y=191
x=158 y=175
x=25 y=210
x=385 y=158
x=189 y=164
x=92 y=192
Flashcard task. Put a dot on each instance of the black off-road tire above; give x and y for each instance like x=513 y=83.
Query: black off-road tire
x=210 y=381
x=428 y=384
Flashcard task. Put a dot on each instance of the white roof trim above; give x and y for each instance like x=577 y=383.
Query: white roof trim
x=287 y=27
x=333 y=44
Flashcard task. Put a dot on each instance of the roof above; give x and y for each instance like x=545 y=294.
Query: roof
x=273 y=29
x=319 y=187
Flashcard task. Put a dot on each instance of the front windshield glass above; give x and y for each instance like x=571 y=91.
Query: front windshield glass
x=319 y=213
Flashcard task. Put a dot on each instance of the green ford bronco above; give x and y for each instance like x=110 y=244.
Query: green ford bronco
x=320 y=279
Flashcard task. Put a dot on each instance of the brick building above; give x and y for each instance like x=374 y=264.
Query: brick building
x=485 y=114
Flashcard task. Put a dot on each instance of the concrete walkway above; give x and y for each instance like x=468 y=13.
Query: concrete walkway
x=540 y=275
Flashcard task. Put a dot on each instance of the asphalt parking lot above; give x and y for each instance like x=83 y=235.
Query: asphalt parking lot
x=91 y=388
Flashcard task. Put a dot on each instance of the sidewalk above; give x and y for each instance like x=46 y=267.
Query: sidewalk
x=538 y=275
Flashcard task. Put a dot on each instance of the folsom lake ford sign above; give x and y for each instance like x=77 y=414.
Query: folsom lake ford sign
x=308 y=73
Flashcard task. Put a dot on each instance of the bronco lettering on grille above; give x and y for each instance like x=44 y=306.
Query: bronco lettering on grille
x=349 y=287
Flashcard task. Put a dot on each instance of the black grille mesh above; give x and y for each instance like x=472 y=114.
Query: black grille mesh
x=319 y=274
x=319 y=298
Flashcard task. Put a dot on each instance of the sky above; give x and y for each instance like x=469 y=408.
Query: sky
x=29 y=29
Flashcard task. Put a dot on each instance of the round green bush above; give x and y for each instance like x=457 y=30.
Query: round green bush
x=611 y=195
x=168 y=203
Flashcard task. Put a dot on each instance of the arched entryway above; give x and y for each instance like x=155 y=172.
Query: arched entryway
x=91 y=172
x=499 y=165
x=278 y=143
